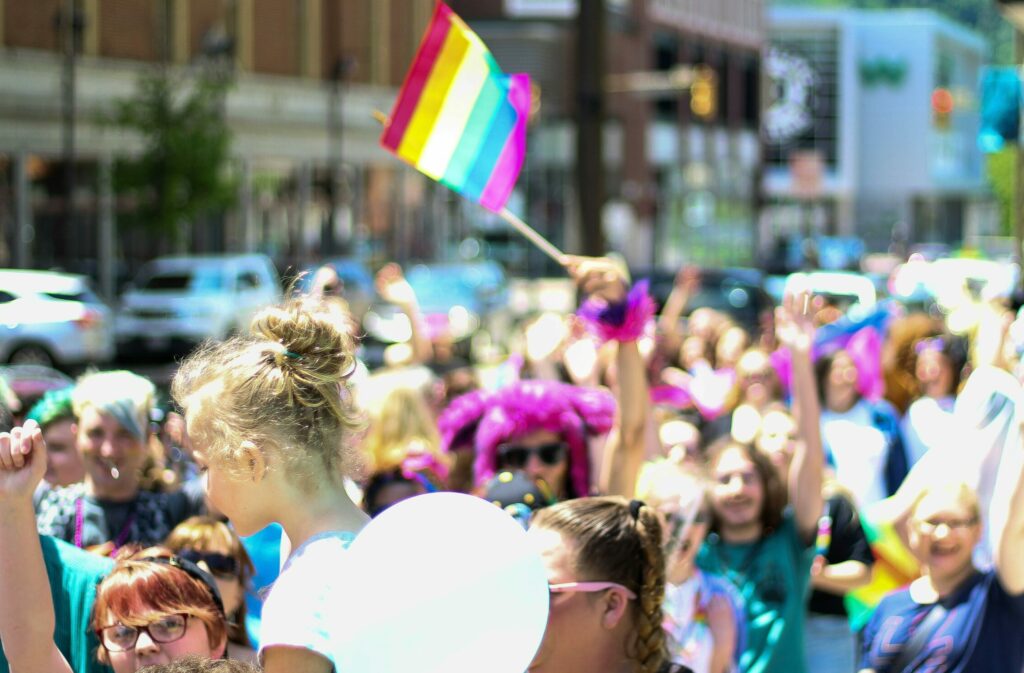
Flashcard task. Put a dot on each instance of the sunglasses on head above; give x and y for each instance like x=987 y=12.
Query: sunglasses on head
x=515 y=457
x=220 y=565
x=932 y=344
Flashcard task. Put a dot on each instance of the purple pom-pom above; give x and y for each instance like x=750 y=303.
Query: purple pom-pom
x=621 y=321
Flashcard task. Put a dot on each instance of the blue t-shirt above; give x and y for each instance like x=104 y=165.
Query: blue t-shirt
x=983 y=631
x=773 y=576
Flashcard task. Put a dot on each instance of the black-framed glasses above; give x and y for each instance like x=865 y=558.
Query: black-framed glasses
x=121 y=637
x=515 y=457
x=221 y=566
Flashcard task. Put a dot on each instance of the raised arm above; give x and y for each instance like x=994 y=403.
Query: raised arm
x=794 y=327
x=1010 y=555
x=601 y=279
x=624 y=454
x=26 y=613
x=687 y=282
x=394 y=288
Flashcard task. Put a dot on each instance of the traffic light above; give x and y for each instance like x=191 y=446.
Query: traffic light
x=942 y=107
x=704 y=92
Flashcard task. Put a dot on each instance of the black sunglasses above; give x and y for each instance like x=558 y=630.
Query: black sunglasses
x=220 y=565
x=514 y=457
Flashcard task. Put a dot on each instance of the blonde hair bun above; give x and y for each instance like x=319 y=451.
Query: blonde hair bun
x=282 y=386
x=308 y=336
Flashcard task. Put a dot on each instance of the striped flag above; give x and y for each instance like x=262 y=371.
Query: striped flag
x=458 y=118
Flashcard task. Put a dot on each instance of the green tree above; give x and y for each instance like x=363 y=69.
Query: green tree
x=182 y=173
x=1001 y=167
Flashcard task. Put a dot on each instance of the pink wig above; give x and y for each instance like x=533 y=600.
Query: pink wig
x=487 y=418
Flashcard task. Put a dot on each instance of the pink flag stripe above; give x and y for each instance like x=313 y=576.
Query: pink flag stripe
x=506 y=170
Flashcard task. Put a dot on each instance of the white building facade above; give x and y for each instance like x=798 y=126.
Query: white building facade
x=870 y=127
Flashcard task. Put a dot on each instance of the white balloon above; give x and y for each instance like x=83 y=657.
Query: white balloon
x=442 y=582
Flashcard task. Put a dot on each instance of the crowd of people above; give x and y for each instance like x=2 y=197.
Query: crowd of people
x=833 y=492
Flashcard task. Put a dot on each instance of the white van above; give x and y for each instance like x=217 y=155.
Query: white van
x=178 y=302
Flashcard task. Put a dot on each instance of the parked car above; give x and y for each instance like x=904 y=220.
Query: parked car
x=178 y=302
x=52 y=319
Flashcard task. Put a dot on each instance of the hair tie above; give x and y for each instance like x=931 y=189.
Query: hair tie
x=280 y=355
x=634 y=508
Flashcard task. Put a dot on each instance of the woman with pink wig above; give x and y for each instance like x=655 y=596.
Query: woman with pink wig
x=543 y=428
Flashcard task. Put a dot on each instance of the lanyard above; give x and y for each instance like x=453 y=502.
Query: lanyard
x=118 y=542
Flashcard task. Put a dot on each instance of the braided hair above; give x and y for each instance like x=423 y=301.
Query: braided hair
x=618 y=540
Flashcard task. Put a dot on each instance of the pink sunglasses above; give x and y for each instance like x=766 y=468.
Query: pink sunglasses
x=589 y=587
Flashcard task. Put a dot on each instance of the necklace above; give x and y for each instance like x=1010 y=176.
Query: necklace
x=736 y=575
x=117 y=542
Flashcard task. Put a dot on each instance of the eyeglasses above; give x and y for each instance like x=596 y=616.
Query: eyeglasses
x=516 y=457
x=221 y=566
x=933 y=344
x=589 y=588
x=959 y=525
x=746 y=378
x=121 y=638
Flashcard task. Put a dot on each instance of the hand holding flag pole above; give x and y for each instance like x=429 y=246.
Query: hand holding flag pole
x=461 y=121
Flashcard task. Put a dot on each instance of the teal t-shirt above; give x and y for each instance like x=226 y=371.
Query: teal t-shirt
x=773 y=575
x=73 y=576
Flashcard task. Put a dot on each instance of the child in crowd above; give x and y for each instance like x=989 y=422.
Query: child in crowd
x=758 y=543
x=270 y=418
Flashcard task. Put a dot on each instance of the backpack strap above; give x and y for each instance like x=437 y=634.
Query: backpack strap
x=925 y=630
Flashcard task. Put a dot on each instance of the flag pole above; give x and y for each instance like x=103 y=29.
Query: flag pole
x=522 y=227
x=531 y=235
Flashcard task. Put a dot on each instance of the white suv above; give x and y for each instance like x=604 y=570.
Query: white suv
x=52 y=319
x=178 y=302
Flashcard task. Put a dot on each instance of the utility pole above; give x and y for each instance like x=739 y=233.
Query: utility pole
x=335 y=152
x=590 y=112
x=68 y=23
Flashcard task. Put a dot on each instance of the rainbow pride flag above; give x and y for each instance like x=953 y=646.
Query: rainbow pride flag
x=458 y=118
x=895 y=567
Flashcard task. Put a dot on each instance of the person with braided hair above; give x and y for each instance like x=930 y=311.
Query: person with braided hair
x=606 y=574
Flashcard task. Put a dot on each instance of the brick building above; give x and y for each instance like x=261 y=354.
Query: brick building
x=309 y=75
